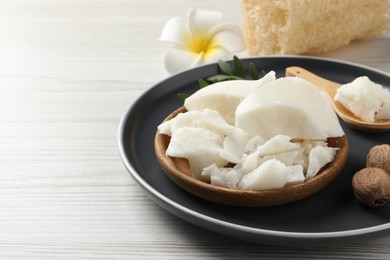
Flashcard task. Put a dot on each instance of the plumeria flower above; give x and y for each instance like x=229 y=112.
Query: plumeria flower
x=201 y=38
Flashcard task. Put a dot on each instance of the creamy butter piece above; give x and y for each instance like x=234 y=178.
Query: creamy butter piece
x=225 y=96
x=365 y=99
x=274 y=164
x=289 y=106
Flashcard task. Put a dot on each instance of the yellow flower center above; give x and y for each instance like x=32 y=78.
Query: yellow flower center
x=201 y=43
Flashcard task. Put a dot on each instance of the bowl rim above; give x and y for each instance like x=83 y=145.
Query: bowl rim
x=249 y=198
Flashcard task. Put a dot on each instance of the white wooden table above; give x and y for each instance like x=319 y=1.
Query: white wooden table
x=68 y=72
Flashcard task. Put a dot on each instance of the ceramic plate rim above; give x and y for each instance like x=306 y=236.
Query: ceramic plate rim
x=174 y=206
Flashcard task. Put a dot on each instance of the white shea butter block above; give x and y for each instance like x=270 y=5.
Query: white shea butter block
x=365 y=99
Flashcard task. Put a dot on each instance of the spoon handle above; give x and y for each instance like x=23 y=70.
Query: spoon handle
x=328 y=86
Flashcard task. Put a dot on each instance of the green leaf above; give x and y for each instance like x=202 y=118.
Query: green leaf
x=228 y=73
x=221 y=77
x=225 y=67
x=202 y=83
x=183 y=96
x=239 y=67
x=253 y=71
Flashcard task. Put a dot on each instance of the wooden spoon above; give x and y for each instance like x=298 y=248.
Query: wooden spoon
x=178 y=170
x=347 y=116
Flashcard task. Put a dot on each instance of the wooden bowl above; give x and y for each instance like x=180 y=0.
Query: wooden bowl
x=178 y=170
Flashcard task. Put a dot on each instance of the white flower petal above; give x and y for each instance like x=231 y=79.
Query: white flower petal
x=199 y=60
x=175 y=31
x=199 y=40
x=217 y=53
x=202 y=21
x=229 y=36
x=178 y=59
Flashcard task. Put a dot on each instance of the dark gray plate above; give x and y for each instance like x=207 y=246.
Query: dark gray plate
x=330 y=216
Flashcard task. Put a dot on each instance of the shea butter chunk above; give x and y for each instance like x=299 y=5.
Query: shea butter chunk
x=365 y=99
x=288 y=106
x=207 y=119
x=319 y=157
x=271 y=174
x=200 y=146
x=225 y=96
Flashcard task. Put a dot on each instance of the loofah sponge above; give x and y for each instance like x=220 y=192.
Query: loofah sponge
x=310 y=26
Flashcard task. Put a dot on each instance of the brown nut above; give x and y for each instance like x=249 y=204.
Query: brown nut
x=371 y=187
x=379 y=157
